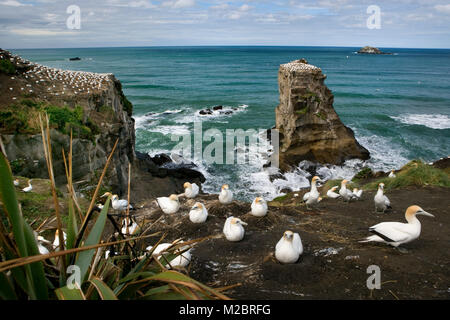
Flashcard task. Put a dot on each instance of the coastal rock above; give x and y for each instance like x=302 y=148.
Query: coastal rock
x=309 y=127
x=95 y=108
x=371 y=50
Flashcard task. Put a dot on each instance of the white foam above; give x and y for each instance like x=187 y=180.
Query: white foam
x=170 y=130
x=433 y=121
x=146 y=120
x=197 y=117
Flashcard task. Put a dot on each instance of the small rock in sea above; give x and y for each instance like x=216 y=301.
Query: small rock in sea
x=205 y=112
x=218 y=108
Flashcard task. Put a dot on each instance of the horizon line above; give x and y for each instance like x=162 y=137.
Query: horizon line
x=217 y=46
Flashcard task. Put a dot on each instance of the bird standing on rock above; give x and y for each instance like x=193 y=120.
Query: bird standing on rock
x=225 y=196
x=259 y=207
x=198 y=213
x=397 y=233
x=116 y=203
x=381 y=201
x=289 y=248
x=191 y=190
x=357 y=193
x=170 y=204
x=233 y=229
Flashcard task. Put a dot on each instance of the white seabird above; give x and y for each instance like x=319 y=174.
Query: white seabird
x=381 y=201
x=346 y=194
x=259 y=207
x=16 y=182
x=191 y=190
x=225 y=196
x=40 y=240
x=29 y=188
x=357 y=193
x=56 y=241
x=233 y=229
x=170 y=204
x=313 y=193
x=392 y=174
x=397 y=233
x=198 y=213
x=132 y=227
x=289 y=248
x=116 y=203
x=181 y=260
x=332 y=194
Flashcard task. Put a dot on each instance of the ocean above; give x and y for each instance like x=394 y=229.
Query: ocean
x=398 y=105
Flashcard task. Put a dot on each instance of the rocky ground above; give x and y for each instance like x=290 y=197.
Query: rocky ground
x=333 y=265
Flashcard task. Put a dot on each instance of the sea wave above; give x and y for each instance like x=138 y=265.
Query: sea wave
x=147 y=119
x=433 y=121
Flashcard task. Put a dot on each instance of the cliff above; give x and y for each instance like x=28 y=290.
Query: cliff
x=309 y=127
x=91 y=105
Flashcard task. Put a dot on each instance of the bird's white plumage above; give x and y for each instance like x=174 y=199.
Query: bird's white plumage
x=132 y=227
x=289 y=248
x=234 y=229
x=397 y=233
x=29 y=188
x=191 y=190
x=381 y=201
x=169 y=205
x=16 y=182
x=259 y=207
x=357 y=193
x=198 y=213
x=392 y=174
x=120 y=205
x=225 y=196
x=332 y=194
x=181 y=260
x=346 y=194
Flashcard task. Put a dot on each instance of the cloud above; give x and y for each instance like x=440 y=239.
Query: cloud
x=445 y=8
x=179 y=4
x=41 y=32
x=13 y=3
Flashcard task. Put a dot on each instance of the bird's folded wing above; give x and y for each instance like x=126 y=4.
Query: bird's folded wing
x=306 y=196
x=163 y=202
x=386 y=201
x=391 y=231
x=297 y=242
x=195 y=188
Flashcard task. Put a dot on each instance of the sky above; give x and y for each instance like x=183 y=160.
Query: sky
x=120 y=23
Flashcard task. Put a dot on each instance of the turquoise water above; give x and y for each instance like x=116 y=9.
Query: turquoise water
x=398 y=105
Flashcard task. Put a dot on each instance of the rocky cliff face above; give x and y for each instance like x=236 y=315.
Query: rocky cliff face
x=309 y=127
x=91 y=105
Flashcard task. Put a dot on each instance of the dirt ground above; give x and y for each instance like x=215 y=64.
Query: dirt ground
x=333 y=265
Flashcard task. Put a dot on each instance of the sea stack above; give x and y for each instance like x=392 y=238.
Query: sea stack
x=309 y=127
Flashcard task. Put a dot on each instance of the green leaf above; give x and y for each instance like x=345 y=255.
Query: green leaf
x=103 y=290
x=6 y=288
x=85 y=257
x=65 y=293
x=72 y=229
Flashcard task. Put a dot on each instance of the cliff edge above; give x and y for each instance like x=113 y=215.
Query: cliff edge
x=309 y=127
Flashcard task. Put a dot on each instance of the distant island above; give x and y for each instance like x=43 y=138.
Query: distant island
x=371 y=50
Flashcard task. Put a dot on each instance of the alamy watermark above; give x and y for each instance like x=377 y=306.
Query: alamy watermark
x=73 y=22
x=374 y=20
x=374 y=281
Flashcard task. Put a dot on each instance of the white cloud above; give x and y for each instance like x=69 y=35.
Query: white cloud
x=178 y=4
x=445 y=8
x=41 y=32
x=13 y=3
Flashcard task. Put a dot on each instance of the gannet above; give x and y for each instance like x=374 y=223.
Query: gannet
x=198 y=213
x=16 y=182
x=346 y=194
x=233 y=229
x=357 y=193
x=314 y=193
x=259 y=207
x=392 y=174
x=225 y=196
x=132 y=227
x=381 y=201
x=120 y=205
x=397 y=233
x=191 y=190
x=289 y=248
x=29 y=188
x=39 y=239
x=56 y=241
x=181 y=260
x=332 y=194
x=170 y=204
